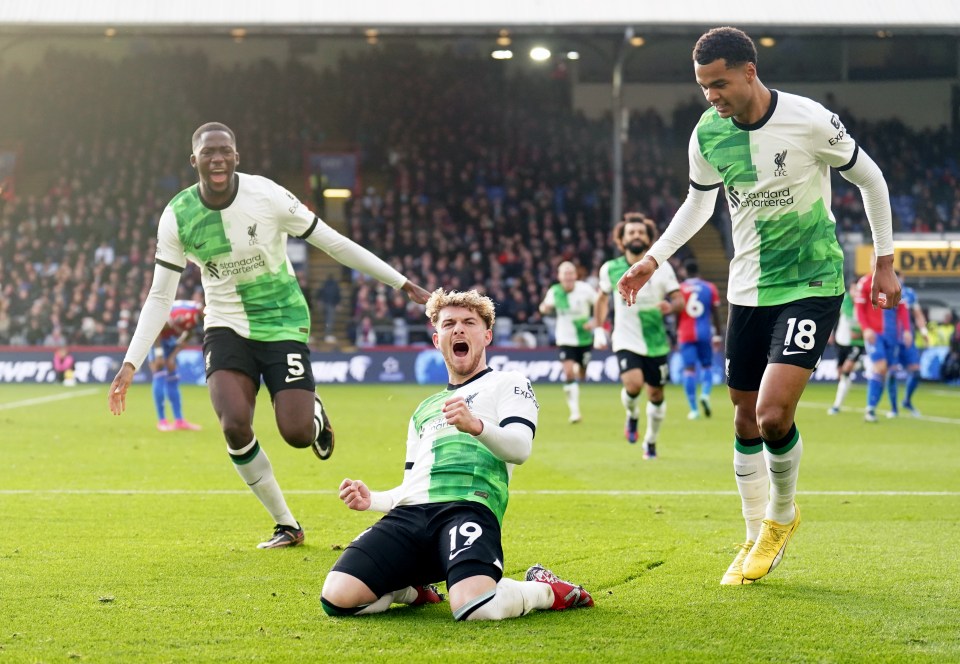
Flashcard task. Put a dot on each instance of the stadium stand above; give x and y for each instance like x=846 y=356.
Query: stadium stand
x=476 y=179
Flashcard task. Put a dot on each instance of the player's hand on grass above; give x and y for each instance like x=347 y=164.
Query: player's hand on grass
x=635 y=278
x=415 y=292
x=355 y=494
x=458 y=414
x=117 y=397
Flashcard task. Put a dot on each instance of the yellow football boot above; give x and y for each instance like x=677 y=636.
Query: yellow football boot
x=768 y=550
x=734 y=574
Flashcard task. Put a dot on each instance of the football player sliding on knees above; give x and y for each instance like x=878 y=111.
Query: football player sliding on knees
x=476 y=429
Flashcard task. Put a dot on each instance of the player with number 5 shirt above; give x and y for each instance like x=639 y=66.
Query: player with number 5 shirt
x=234 y=227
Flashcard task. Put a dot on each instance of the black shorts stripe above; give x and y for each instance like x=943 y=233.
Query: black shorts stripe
x=170 y=266
x=521 y=420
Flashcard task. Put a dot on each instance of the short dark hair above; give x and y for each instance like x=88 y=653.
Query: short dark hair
x=691 y=267
x=634 y=218
x=730 y=44
x=211 y=126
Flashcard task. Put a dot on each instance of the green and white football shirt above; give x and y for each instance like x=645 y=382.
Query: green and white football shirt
x=776 y=177
x=248 y=281
x=639 y=328
x=443 y=464
x=573 y=311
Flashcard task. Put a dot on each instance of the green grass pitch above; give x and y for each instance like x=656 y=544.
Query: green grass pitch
x=123 y=544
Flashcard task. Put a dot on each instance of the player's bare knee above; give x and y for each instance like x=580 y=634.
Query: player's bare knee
x=297 y=434
x=237 y=433
x=342 y=594
x=774 y=422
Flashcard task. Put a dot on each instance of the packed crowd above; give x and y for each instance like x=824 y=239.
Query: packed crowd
x=484 y=180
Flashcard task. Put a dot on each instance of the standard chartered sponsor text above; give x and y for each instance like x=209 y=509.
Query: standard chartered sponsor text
x=242 y=266
x=776 y=198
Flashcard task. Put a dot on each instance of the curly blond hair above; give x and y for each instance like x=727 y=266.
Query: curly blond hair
x=471 y=299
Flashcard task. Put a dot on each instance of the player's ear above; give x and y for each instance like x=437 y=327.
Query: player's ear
x=487 y=337
x=236 y=158
x=193 y=160
x=436 y=341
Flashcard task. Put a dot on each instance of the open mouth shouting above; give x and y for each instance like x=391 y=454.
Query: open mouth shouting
x=460 y=348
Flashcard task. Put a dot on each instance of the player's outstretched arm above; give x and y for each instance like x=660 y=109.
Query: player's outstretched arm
x=415 y=292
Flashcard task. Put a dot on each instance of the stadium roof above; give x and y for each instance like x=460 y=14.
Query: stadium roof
x=449 y=16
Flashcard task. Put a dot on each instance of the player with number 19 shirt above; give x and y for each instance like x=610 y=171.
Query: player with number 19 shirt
x=443 y=523
x=771 y=152
x=438 y=453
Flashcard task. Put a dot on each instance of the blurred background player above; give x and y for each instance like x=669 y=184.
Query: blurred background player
x=639 y=336
x=848 y=339
x=183 y=319
x=443 y=522
x=908 y=357
x=697 y=334
x=883 y=330
x=63 y=366
x=572 y=302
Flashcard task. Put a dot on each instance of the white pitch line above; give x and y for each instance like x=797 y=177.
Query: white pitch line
x=521 y=492
x=48 y=399
x=943 y=393
x=903 y=416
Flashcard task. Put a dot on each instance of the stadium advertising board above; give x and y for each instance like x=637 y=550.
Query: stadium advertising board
x=918 y=258
x=422 y=366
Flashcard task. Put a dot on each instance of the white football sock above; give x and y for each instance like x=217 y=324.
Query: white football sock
x=655 y=415
x=784 y=469
x=257 y=472
x=572 y=392
x=510 y=599
x=754 y=488
x=843 y=386
x=380 y=605
x=631 y=404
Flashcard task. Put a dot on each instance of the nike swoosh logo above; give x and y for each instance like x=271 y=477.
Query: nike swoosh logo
x=290 y=379
x=457 y=553
x=721 y=169
x=780 y=472
x=745 y=474
x=197 y=246
x=793 y=352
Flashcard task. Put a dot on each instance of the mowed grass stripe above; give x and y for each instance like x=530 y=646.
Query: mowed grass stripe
x=517 y=492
